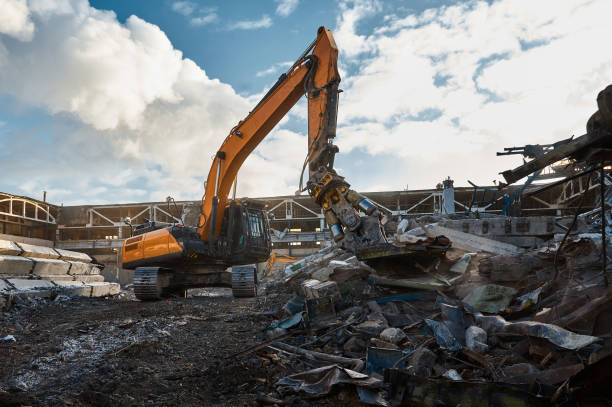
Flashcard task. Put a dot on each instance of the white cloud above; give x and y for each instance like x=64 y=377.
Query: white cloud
x=151 y=119
x=204 y=19
x=351 y=11
x=470 y=79
x=274 y=69
x=264 y=22
x=198 y=16
x=15 y=19
x=185 y=8
x=286 y=7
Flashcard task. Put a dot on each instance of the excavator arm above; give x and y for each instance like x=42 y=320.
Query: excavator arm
x=314 y=74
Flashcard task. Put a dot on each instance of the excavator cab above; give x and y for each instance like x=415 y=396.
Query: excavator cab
x=245 y=233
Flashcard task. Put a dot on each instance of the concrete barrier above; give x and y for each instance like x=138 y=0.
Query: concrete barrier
x=28 y=285
x=50 y=266
x=103 y=289
x=69 y=255
x=15 y=266
x=9 y=248
x=39 y=252
x=89 y=278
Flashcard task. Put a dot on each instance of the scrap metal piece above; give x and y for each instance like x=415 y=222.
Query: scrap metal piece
x=319 y=382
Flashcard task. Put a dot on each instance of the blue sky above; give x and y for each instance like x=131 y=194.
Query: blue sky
x=122 y=101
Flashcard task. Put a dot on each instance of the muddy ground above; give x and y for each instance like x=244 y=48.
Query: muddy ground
x=119 y=351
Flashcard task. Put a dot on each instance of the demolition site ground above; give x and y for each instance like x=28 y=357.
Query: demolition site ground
x=118 y=351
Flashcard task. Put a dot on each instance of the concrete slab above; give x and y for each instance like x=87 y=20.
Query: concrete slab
x=26 y=285
x=58 y=277
x=15 y=266
x=89 y=278
x=73 y=288
x=44 y=267
x=9 y=248
x=469 y=242
x=70 y=255
x=39 y=252
x=104 y=289
x=77 y=267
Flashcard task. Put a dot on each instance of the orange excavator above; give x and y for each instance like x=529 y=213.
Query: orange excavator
x=231 y=232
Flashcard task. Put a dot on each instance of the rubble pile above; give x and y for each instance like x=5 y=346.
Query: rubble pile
x=478 y=321
x=38 y=271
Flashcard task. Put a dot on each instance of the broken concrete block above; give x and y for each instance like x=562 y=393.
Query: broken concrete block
x=354 y=344
x=9 y=248
x=379 y=343
x=50 y=266
x=462 y=264
x=39 y=252
x=26 y=285
x=408 y=238
x=77 y=267
x=88 y=278
x=57 y=277
x=403 y=226
x=69 y=255
x=393 y=335
x=73 y=288
x=476 y=339
x=371 y=328
x=306 y=286
x=322 y=274
x=15 y=266
x=325 y=289
x=103 y=289
x=471 y=243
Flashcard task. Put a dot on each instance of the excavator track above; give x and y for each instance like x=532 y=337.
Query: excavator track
x=244 y=281
x=147 y=284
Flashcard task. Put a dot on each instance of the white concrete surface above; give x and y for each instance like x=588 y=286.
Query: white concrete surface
x=70 y=255
x=39 y=252
x=50 y=266
x=15 y=266
x=9 y=248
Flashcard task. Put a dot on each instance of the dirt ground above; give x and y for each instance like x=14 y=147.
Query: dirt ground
x=121 y=352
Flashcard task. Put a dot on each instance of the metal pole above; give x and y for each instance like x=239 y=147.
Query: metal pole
x=602 y=189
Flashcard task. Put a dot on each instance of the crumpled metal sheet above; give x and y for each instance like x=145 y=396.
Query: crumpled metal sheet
x=553 y=333
x=319 y=382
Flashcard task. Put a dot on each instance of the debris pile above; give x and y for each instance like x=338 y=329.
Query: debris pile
x=38 y=271
x=477 y=322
